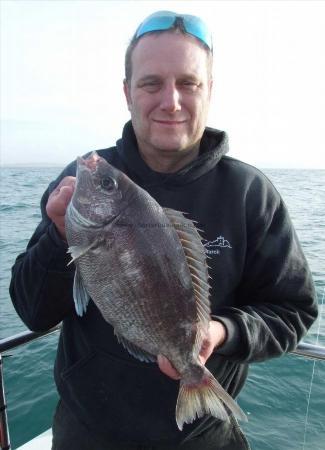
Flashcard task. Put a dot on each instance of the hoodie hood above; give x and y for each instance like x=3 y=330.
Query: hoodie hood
x=214 y=144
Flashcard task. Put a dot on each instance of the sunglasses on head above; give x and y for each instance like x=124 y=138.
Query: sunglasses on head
x=164 y=20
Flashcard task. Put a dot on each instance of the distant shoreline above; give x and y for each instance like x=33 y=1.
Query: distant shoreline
x=58 y=165
x=32 y=165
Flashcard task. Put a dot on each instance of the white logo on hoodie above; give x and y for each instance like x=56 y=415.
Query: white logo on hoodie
x=213 y=247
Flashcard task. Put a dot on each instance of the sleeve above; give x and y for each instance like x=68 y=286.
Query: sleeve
x=41 y=283
x=276 y=300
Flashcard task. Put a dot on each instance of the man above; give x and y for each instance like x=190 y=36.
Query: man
x=262 y=298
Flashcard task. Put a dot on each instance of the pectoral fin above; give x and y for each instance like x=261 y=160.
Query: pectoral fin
x=80 y=295
x=76 y=251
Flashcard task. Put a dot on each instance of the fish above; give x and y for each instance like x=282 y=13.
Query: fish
x=145 y=268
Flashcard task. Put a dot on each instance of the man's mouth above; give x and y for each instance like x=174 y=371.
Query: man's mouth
x=169 y=122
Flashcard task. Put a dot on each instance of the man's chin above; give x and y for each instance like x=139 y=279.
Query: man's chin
x=171 y=146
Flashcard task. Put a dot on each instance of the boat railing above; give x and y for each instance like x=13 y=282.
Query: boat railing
x=303 y=349
x=6 y=344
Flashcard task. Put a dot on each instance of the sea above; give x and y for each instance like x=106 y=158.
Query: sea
x=284 y=398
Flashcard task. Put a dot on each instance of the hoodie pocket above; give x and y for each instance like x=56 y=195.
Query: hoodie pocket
x=121 y=400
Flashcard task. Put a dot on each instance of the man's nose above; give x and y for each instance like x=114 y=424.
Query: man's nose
x=170 y=99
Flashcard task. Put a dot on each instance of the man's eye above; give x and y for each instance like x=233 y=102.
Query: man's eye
x=151 y=86
x=190 y=84
x=151 y=83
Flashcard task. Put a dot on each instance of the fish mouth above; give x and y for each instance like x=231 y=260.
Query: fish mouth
x=89 y=163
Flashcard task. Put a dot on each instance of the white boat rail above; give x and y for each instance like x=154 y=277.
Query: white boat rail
x=303 y=349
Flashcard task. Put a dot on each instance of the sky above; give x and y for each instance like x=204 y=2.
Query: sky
x=62 y=72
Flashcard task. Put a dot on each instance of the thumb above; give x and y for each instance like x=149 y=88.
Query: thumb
x=65 y=194
x=166 y=367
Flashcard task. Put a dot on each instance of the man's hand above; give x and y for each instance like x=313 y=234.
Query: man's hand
x=215 y=338
x=57 y=203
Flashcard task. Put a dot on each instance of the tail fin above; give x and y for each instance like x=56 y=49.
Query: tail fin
x=208 y=397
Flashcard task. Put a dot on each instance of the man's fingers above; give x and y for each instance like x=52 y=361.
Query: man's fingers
x=166 y=367
x=60 y=197
x=67 y=181
x=58 y=201
x=65 y=193
x=202 y=359
x=66 y=186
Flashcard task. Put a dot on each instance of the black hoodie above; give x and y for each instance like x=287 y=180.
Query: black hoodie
x=262 y=291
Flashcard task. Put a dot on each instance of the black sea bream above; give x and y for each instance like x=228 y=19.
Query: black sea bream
x=145 y=268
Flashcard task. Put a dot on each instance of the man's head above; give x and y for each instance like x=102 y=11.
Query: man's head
x=161 y=21
x=168 y=83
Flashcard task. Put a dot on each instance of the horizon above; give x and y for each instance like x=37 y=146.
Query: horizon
x=63 y=165
x=62 y=67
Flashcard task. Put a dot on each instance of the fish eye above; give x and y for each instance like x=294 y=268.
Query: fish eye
x=108 y=183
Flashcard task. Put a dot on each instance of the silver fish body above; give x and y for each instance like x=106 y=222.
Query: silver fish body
x=145 y=268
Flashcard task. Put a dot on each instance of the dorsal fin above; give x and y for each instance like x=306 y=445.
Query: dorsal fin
x=196 y=261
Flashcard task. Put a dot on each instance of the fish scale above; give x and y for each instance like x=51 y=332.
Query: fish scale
x=145 y=269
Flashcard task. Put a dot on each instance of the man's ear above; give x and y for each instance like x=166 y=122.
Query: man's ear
x=126 y=89
x=210 y=87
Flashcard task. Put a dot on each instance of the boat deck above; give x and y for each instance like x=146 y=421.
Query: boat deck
x=41 y=442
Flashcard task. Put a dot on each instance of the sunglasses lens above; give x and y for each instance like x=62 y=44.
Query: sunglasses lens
x=164 y=20
x=193 y=25
x=155 y=24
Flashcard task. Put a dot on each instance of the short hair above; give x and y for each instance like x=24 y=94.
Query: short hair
x=177 y=27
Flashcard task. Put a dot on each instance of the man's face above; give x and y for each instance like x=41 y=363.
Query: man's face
x=169 y=92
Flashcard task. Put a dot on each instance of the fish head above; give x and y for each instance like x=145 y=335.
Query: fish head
x=98 y=195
